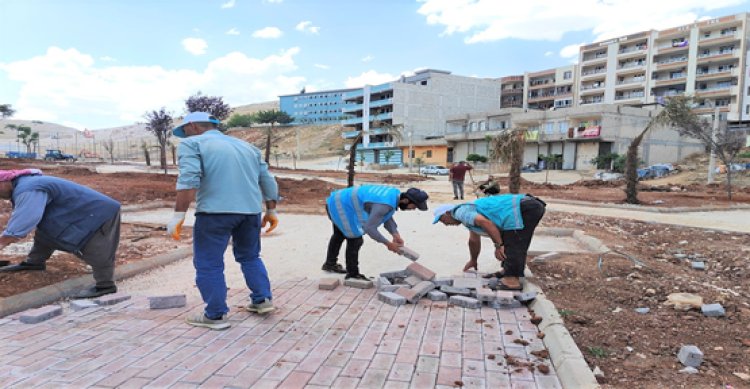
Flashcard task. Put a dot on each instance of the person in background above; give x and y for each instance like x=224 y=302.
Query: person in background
x=509 y=220
x=67 y=217
x=456 y=177
x=490 y=187
x=230 y=182
x=361 y=210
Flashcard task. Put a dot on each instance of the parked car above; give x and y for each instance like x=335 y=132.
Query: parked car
x=434 y=169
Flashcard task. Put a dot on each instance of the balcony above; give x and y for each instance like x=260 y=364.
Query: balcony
x=717 y=56
x=351 y=107
x=715 y=39
x=380 y=103
x=541 y=84
x=593 y=74
x=594 y=100
x=718 y=90
x=631 y=50
x=668 y=93
x=512 y=91
x=630 y=96
x=349 y=134
x=508 y=79
x=712 y=74
x=630 y=81
x=381 y=88
x=671 y=63
x=631 y=67
x=355 y=120
x=594 y=59
x=382 y=116
x=672 y=47
x=671 y=80
x=353 y=95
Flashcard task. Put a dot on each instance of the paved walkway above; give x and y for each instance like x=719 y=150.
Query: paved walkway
x=343 y=338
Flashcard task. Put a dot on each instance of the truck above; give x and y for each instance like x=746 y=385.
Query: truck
x=57 y=155
x=18 y=154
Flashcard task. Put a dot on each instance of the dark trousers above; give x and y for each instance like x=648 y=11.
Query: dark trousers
x=517 y=242
x=352 y=250
x=99 y=252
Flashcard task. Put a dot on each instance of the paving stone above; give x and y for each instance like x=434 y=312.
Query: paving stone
x=422 y=289
x=526 y=296
x=415 y=269
x=436 y=295
x=412 y=280
x=466 y=302
x=713 y=310
x=360 y=284
x=452 y=290
x=406 y=293
x=166 y=302
x=112 y=299
x=486 y=295
x=388 y=288
x=79 y=305
x=391 y=298
x=505 y=297
x=690 y=355
x=409 y=253
x=395 y=274
x=328 y=283
x=39 y=315
x=443 y=281
x=697 y=265
x=382 y=281
x=469 y=283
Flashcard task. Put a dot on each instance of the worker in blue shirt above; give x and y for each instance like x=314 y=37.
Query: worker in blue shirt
x=360 y=210
x=509 y=220
x=67 y=217
x=230 y=182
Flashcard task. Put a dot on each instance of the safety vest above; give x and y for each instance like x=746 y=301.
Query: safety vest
x=346 y=207
x=503 y=210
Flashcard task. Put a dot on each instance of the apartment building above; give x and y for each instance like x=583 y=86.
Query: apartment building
x=512 y=91
x=706 y=60
x=314 y=108
x=576 y=134
x=552 y=88
x=412 y=110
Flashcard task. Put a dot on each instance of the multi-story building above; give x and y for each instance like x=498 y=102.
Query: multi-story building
x=412 y=110
x=315 y=107
x=511 y=90
x=706 y=60
x=576 y=135
x=551 y=88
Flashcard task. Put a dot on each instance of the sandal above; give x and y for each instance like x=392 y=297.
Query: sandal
x=501 y=286
x=497 y=274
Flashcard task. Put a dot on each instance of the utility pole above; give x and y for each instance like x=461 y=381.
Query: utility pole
x=712 y=158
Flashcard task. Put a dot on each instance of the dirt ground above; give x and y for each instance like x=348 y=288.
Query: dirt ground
x=597 y=304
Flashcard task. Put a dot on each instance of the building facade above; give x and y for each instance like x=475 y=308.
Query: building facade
x=314 y=108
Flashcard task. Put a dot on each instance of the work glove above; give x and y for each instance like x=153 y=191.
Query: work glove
x=174 y=227
x=270 y=217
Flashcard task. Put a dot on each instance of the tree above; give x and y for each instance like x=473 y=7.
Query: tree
x=271 y=117
x=551 y=159
x=25 y=135
x=146 y=155
x=476 y=158
x=508 y=147
x=6 y=111
x=159 y=123
x=631 y=159
x=388 y=154
x=394 y=132
x=214 y=105
x=109 y=146
x=726 y=144
x=610 y=161
x=239 y=120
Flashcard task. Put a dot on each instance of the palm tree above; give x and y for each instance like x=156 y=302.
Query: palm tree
x=508 y=147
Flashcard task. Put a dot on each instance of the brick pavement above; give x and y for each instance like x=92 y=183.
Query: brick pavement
x=342 y=338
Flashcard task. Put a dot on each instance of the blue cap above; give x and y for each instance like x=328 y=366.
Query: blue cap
x=194 y=117
x=418 y=197
x=441 y=210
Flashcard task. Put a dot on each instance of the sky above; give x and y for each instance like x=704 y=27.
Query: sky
x=106 y=63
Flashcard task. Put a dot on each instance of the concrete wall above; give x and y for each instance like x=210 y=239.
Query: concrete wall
x=439 y=155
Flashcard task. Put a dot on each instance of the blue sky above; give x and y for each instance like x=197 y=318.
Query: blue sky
x=105 y=63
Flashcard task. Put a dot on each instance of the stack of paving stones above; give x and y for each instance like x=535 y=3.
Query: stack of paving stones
x=468 y=290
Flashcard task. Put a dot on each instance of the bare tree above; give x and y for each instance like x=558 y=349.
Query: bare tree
x=508 y=148
x=271 y=117
x=109 y=146
x=159 y=123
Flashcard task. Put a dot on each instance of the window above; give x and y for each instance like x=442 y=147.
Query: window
x=567 y=75
x=428 y=154
x=549 y=128
x=747 y=109
x=562 y=126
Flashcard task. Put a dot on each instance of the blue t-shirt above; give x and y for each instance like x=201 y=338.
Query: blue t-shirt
x=467 y=214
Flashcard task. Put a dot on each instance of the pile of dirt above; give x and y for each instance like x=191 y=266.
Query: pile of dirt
x=598 y=301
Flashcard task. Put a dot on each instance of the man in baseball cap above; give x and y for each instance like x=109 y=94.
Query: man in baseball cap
x=194 y=117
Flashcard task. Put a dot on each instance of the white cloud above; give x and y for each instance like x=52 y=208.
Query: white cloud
x=229 y=4
x=485 y=21
x=548 y=54
x=68 y=87
x=306 y=26
x=571 y=51
x=233 y=31
x=321 y=66
x=195 y=46
x=370 y=77
x=268 y=33
x=367 y=58
x=107 y=58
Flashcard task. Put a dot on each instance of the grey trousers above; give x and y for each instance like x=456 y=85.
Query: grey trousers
x=458 y=189
x=99 y=252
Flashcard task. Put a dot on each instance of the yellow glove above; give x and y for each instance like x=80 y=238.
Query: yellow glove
x=174 y=227
x=270 y=217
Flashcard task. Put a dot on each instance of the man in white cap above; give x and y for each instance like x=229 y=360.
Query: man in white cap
x=509 y=220
x=230 y=182
x=67 y=217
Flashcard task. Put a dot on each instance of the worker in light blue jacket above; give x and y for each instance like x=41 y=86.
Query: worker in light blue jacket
x=360 y=210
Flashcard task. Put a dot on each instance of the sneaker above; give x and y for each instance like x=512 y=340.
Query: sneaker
x=200 y=320
x=261 y=308
x=357 y=277
x=95 y=291
x=336 y=268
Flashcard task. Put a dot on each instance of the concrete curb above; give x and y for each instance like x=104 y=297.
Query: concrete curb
x=592 y=244
x=572 y=369
x=51 y=293
x=633 y=207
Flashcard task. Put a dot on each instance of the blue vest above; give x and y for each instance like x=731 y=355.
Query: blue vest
x=346 y=207
x=73 y=212
x=503 y=210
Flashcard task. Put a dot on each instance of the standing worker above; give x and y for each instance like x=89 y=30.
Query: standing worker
x=509 y=220
x=456 y=176
x=68 y=217
x=230 y=181
x=360 y=210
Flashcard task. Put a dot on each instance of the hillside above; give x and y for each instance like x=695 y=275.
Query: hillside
x=315 y=141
